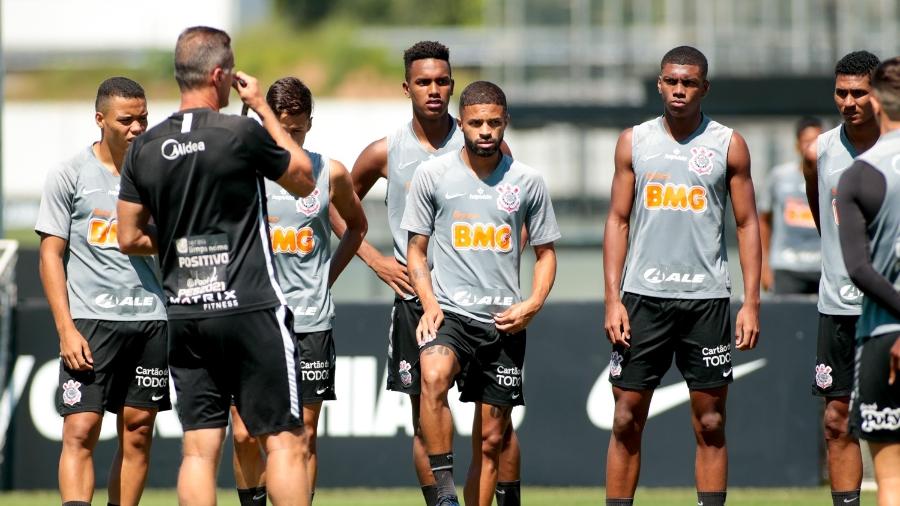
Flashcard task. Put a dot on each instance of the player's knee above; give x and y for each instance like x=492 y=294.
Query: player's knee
x=80 y=433
x=137 y=437
x=311 y=433
x=711 y=424
x=835 y=423
x=242 y=439
x=492 y=444
x=625 y=425
x=435 y=382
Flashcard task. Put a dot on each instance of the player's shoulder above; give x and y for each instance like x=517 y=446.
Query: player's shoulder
x=70 y=168
x=522 y=169
x=438 y=165
x=642 y=131
x=397 y=135
x=829 y=139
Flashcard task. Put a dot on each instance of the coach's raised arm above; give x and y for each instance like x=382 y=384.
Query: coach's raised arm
x=298 y=178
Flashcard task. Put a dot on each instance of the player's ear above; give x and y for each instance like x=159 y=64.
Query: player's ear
x=876 y=106
x=452 y=84
x=705 y=87
x=98 y=118
x=309 y=124
x=406 y=88
x=659 y=84
x=459 y=119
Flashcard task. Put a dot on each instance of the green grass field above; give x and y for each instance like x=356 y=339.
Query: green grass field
x=531 y=496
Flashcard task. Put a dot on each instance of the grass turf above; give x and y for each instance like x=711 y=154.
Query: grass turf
x=532 y=496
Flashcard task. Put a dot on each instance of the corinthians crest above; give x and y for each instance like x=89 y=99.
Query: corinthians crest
x=310 y=204
x=701 y=162
x=508 y=200
x=823 y=376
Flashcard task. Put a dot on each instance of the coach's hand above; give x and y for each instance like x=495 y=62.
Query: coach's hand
x=895 y=361
x=74 y=351
x=516 y=317
x=394 y=274
x=618 y=328
x=746 y=325
x=430 y=322
x=248 y=89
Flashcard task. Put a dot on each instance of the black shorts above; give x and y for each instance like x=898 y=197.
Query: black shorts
x=833 y=370
x=696 y=331
x=875 y=406
x=250 y=357
x=129 y=369
x=794 y=282
x=491 y=361
x=317 y=358
x=403 y=349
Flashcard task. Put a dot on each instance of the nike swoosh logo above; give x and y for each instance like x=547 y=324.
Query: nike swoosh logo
x=515 y=395
x=407 y=164
x=320 y=391
x=852 y=499
x=259 y=497
x=601 y=405
x=726 y=373
x=453 y=196
x=500 y=491
x=155 y=398
x=650 y=157
x=837 y=171
x=88 y=192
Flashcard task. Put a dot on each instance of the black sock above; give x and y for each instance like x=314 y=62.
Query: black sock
x=76 y=503
x=508 y=493
x=111 y=504
x=847 y=498
x=429 y=492
x=442 y=469
x=625 y=501
x=711 y=498
x=254 y=496
x=312 y=495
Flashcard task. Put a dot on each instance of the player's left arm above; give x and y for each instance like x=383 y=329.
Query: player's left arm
x=743 y=201
x=518 y=316
x=347 y=205
x=136 y=235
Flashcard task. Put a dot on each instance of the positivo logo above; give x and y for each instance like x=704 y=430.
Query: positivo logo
x=172 y=149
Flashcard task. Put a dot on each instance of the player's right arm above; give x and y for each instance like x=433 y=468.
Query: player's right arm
x=298 y=178
x=810 y=164
x=420 y=277
x=369 y=167
x=73 y=347
x=615 y=241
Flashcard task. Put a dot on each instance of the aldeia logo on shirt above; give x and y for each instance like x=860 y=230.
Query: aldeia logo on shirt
x=172 y=149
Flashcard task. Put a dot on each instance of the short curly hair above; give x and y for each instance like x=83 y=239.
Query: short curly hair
x=482 y=92
x=686 y=55
x=857 y=63
x=424 y=50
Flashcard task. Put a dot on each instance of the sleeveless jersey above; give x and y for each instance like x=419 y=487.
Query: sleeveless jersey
x=301 y=240
x=884 y=234
x=837 y=294
x=795 y=244
x=475 y=229
x=677 y=243
x=405 y=153
x=79 y=205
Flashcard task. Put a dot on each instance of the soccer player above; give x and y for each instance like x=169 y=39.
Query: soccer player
x=672 y=177
x=869 y=209
x=431 y=132
x=474 y=202
x=198 y=175
x=300 y=230
x=792 y=253
x=108 y=309
x=839 y=300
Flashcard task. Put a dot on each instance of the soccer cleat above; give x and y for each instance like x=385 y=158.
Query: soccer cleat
x=447 y=500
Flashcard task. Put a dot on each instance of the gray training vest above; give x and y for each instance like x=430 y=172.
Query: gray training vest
x=79 y=205
x=795 y=244
x=837 y=294
x=884 y=234
x=300 y=231
x=475 y=228
x=676 y=240
x=405 y=153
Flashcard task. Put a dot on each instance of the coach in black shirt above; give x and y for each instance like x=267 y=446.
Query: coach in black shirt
x=198 y=175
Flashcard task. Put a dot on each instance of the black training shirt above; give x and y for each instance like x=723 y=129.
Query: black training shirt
x=200 y=175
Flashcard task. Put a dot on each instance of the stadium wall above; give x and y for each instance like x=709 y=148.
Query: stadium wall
x=773 y=421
